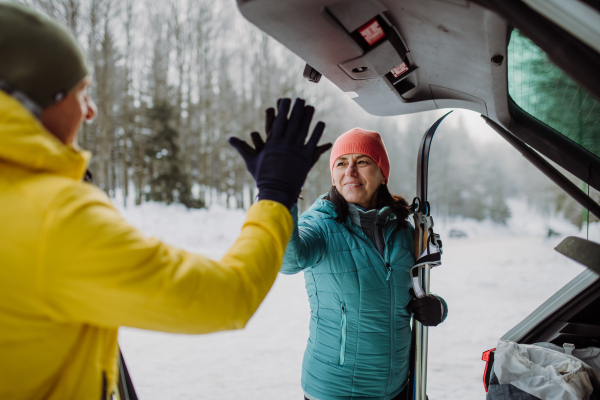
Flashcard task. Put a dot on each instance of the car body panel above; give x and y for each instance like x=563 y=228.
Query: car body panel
x=318 y=32
x=574 y=16
x=552 y=318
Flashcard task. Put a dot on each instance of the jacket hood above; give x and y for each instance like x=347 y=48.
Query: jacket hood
x=26 y=143
x=324 y=206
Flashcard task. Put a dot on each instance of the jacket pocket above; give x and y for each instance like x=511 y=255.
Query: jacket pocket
x=343 y=339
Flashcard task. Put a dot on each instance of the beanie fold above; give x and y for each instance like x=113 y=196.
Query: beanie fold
x=362 y=141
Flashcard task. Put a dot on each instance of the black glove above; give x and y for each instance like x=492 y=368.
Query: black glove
x=428 y=310
x=250 y=154
x=280 y=165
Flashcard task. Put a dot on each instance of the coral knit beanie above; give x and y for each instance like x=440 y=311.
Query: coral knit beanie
x=361 y=141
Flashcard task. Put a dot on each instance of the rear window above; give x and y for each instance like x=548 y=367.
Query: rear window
x=549 y=95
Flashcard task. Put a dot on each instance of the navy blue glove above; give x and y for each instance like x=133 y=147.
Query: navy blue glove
x=428 y=310
x=280 y=165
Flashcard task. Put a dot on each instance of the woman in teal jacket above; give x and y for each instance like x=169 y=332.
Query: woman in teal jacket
x=356 y=250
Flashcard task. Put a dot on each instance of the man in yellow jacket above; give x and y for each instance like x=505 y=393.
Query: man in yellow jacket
x=71 y=269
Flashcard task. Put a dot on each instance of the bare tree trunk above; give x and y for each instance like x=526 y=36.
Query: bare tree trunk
x=128 y=106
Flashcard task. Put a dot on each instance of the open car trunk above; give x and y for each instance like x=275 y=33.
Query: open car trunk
x=528 y=66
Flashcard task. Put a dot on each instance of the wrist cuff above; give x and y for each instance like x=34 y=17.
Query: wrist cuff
x=284 y=198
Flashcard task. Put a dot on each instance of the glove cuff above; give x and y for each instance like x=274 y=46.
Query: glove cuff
x=286 y=198
x=442 y=308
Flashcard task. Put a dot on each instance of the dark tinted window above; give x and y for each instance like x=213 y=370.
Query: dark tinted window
x=546 y=93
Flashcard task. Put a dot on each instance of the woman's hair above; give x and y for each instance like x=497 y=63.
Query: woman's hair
x=397 y=203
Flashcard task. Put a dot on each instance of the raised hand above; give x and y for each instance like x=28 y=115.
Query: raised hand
x=249 y=153
x=280 y=165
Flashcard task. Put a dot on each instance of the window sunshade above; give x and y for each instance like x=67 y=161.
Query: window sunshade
x=546 y=93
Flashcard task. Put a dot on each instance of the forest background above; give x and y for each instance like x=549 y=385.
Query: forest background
x=174 y=79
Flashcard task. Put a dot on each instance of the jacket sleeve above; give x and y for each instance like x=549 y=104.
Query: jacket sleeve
x=307 y=245
x=94 y=268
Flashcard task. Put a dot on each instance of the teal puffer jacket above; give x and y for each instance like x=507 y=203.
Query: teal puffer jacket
x=360 y=334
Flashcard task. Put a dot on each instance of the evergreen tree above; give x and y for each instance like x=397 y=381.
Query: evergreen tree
x=168 y=182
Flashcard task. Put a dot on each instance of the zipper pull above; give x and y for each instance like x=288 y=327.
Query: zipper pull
x=343 y=314
x=389 y=268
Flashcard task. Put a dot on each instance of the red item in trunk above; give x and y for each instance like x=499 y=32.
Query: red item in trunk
x=488 y=357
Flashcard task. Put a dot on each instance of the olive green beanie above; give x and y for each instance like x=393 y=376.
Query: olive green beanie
x=38 y=56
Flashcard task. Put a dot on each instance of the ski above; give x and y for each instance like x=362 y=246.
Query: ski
x=428 y=251
x=125 y=387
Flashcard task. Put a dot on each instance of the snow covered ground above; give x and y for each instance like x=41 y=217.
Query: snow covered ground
x=491 y=280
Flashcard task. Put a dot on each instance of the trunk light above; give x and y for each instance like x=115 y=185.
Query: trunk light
x=372 y=32
x=399 y=70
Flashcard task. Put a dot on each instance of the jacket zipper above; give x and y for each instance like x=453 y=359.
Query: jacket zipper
x=385 y=257
x=343 y=344
x=392 y=325
x=393 y=299
x=389 y=268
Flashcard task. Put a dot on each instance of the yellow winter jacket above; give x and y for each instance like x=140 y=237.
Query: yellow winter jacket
x=72 y=270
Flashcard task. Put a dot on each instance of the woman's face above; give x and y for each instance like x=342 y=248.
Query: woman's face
x=357 y=178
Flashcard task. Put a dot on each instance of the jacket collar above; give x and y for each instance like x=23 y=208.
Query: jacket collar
x=26 y=143
x=385 y=214
x=325 y=206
